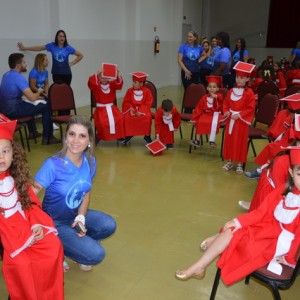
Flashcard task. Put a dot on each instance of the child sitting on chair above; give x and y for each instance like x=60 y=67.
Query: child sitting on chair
x=167 y=120
x=207 y=112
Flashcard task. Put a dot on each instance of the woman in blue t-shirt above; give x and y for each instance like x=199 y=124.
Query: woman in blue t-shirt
x=188 y=59
x=295 y=55
x=60 y=51
x=38 y=76
x=67 y=179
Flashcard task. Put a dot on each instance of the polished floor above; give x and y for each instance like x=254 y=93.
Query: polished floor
x=164 y=206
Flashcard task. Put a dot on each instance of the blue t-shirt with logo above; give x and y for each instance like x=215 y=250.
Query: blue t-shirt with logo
x=11 y=91
x=40 y=77
x=60 y=58
x=65 y=184
x=236 y=56
x=222 y=56
x=190 y=56
x=296 y=52
x=210 y=60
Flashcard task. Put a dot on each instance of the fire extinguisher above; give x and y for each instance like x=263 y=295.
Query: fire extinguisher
x=156 y=45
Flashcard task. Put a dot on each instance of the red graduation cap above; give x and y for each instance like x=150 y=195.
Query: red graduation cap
x=156 y=147
x=243 y=69
x=109 y=71
x=216 y=79
x=293 y=101
x=7 y=128
x=139 y=76
x=294 y=154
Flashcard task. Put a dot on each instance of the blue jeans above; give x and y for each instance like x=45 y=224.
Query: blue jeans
x=86 y=250
x=25 y=109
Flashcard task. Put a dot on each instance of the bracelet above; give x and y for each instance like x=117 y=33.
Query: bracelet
x=80 y=218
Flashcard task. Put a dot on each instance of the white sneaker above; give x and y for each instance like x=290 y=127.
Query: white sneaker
x=55 y=127
x=244 y=204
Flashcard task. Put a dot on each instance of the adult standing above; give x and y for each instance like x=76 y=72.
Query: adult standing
x=67 y=177
x=295 y=55
x=188 y=59
x=13 y=87
x=60 y=51
x=240 y=53
x=205 y=62
x=222 y=59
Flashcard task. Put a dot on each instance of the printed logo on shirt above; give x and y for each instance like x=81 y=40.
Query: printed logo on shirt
x=76 y=194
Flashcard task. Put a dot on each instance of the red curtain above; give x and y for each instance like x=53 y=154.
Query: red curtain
x=284 y=24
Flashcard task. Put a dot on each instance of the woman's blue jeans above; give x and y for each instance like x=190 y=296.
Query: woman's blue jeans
x=86 y=250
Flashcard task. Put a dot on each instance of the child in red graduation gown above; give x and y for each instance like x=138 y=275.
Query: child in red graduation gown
x=33 y=254
x=167 y=120
x=207 y=112
x=107 y=116
x=239 y=109
x=280 y=79
x=268 y=235
x=136 y=109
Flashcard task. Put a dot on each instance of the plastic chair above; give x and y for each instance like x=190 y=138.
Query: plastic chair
x=271 y=280
x=191 y=97
x=61 y=98
x=150 y=85
x=265 y=114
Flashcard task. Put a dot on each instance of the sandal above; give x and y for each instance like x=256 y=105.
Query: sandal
x=195 y=143
x=207 y=242
x=228 y=166
x=85 y=268
x=213 y=144
x=239 y=169
x=66 y=266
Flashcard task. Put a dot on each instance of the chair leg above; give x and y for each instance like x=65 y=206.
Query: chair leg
x=192 y=134
x=275 y=292
x=180 y=131
x=222 y=142
x=21 y=138
x=253 y=149
x=26 y=137
x=216 y=284
x=247 y=279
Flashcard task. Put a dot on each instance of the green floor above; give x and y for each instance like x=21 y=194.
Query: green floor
x=164 y=207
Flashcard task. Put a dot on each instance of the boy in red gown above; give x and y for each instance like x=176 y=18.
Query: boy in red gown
x=207 y=112
x=136 y=109
x=107 y=116
x=167 y=120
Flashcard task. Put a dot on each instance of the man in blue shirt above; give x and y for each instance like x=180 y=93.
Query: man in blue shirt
x=13 y=87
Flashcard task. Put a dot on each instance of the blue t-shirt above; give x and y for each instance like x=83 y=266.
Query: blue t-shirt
x=11 y=91
x=296 y=52
x=190 y=56
x=222 y=56
x=66 y=186
x=211 y=58
x=236 y=56
x=40 y=77
x=60 y=58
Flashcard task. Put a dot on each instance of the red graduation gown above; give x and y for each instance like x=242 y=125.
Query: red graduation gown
x=204 y=113
x=166 y=136
x=235 y=144
x=139 y=101
x=271 y=178
x=105 y=97
x=253 y=246
x=280 y=124
x=36 y=273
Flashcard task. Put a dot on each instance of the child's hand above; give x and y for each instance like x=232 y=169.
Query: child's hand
x=234 y=116
x=38 y=233
x=131 y=112
x=191 y=121
x=281 y=260
x=230 y=224
x=227 y=114
x=138 y=114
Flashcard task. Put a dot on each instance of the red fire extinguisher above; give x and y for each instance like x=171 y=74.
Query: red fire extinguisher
x=156 y=45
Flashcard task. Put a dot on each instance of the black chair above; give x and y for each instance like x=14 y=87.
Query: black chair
x=271 y=280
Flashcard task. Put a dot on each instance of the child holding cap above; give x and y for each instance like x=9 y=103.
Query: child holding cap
x=207 y=112
x=33 y=254
x=107 y=116
x=167 y=120
x=268 y=235
x=136 y=109
x=239 y=109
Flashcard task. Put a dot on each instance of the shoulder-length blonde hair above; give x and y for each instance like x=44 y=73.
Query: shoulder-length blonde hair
x=39 y=62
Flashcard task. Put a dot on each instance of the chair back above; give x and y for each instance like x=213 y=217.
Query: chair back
x=223 y=91
x=93 y=105
x=292 y=89
x=265 y=87
x=192 y=96
x=150 y=85
x=61 y=97
x=267 y=109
